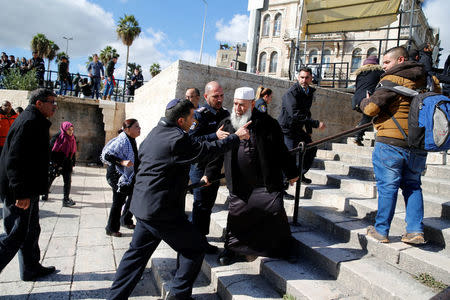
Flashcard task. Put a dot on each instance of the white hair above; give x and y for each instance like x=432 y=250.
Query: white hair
x=239 y=121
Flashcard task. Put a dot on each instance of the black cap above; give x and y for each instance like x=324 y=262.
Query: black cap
x=172 y=103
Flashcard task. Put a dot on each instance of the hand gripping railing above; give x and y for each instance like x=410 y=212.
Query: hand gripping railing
x=301 y=149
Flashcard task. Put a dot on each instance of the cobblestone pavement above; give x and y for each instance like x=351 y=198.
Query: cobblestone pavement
x=74 y=241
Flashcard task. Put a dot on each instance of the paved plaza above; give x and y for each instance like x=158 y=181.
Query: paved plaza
x=74 y=241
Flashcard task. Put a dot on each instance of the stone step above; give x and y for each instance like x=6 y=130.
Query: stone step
x=430 y=184
x=437 y=229
x=344 y=150
x=301 y=280
x=437 y=171
x=331 y=255
x=350 y=266
x=414 y=260
x=163 y=266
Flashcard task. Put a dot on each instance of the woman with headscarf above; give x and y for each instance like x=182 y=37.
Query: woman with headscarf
x=62 y=160
x=121 y=156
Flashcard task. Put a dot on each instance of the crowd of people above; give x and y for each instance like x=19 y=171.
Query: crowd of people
x=87 y=87
x=194 y=141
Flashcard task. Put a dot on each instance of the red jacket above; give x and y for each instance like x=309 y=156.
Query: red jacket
x=5 y=124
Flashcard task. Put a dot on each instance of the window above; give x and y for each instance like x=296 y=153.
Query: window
x=266 y=25
x=372 y=52
x=326 y=59
x=273 y=62
x=277 y=25
x=313 y=56
x=262 y=62
x=356 y=59
x=224 y=57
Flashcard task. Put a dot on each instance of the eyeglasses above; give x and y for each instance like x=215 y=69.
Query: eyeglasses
x=51 y=102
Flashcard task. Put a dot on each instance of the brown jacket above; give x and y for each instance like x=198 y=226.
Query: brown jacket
x=384 y=103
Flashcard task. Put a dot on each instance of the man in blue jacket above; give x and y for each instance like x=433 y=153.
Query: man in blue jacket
x=158 y=200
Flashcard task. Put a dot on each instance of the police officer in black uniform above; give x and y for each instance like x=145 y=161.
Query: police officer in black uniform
x=207 y=119
x=158 y=201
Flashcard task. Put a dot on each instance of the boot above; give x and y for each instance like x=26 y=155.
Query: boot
x=109 y=97
x=67 y=202
x=103 y=97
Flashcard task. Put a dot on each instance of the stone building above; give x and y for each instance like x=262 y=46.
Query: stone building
x=273 y=32
x=226 y=57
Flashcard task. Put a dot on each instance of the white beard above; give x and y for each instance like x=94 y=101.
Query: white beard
x=239 y=121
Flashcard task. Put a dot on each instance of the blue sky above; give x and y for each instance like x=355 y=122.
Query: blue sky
x=171 y=29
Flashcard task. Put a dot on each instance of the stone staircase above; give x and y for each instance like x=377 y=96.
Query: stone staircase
x=338 y=260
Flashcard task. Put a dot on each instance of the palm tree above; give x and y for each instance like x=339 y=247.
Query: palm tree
x=128 y=30
x=90 y=59
x=155 y=69
x=106 y=54
x=50 y=54
x=39 y=44
x=131 y=68
x=59 y=55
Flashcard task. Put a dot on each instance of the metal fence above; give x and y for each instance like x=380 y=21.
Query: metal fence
x=120 y=92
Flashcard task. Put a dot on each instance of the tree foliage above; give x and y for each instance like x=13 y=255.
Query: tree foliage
x=155 y=69
x=106 y=54
x=128 y=29
x=131 y=68
x=59 y=55
x=13 y=80
x=39 y=44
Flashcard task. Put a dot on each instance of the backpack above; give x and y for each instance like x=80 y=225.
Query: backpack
x=428 y=118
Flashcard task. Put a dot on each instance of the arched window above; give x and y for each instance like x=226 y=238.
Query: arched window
x=313 y=56
x=326 y=59
x=273 y=62
x=266 y=25
x=277 y=25
x=356 y=59
x=262 y=62
x=372 y=52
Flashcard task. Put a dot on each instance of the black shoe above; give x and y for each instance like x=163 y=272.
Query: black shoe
x=211 y=249
x=170 y=296
x=41 y=271
x=287 y=196
x=67 y=202
x=227 y=257
x=306 y=180
x=129 y=226
x=44 y=197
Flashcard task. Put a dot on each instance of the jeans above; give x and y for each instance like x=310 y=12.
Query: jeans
x=109 y=87
x=115 y=219
x=63 y=87
x=96 y=87
x=395 y=168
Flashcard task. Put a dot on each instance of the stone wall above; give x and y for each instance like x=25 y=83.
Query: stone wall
x=330 y=106
x=95 y=121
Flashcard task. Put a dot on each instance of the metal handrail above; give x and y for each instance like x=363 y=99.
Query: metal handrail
x=301 y=149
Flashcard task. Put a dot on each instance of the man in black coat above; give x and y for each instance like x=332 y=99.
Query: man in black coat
x=257 y=223
x=23 y=177
x=295 y=117
x=158 y=201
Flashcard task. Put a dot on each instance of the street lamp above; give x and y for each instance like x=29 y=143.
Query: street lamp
x=67 y=44
x=203 y=32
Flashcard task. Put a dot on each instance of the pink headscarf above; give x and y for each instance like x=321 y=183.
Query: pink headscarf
x=65 y=143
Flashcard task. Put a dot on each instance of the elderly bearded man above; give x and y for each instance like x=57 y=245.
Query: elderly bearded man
x=257 y=224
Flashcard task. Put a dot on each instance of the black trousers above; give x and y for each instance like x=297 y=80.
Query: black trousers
x=310 y=153
x=115 y=219
x=22 y=232
x=204 y=199
x=181 y=235
x=364 y=120
x=67 y=178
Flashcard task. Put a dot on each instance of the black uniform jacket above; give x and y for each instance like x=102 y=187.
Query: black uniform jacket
x=206 y=121
x=25 y=156
x=296 y=112
x=272 y=152
x=166 y=155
